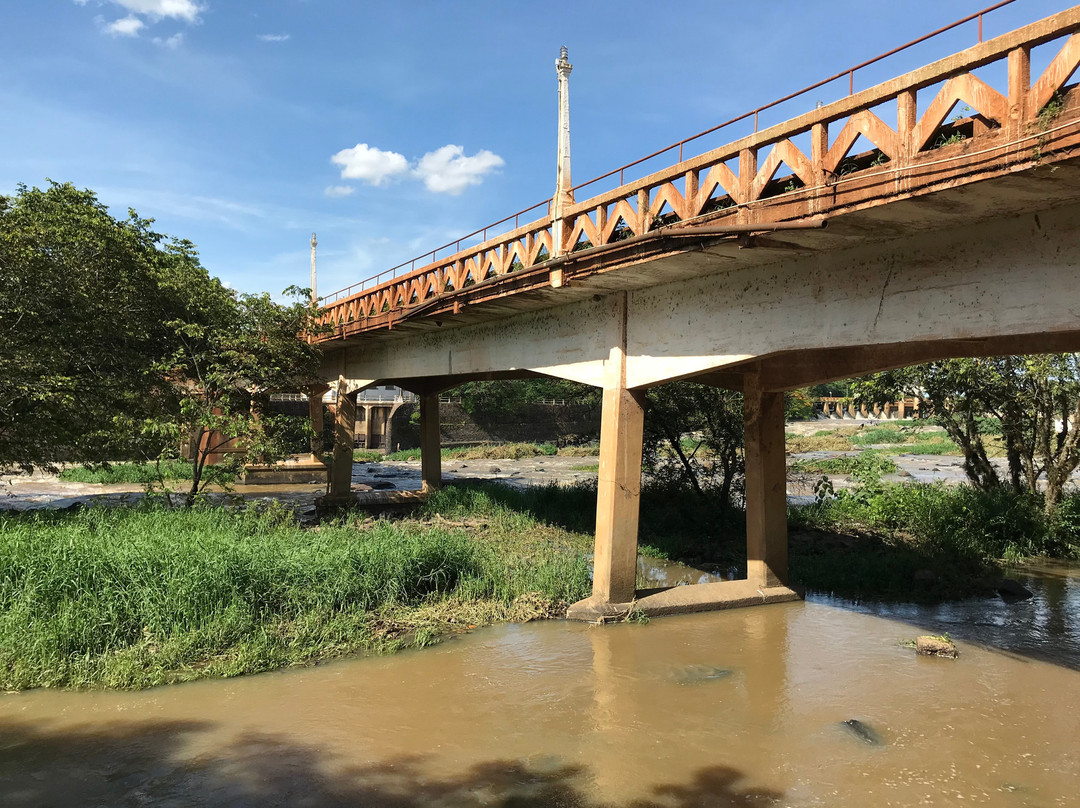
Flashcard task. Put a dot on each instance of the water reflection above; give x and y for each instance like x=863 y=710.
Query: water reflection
x=1046 y=627
x=732 y=709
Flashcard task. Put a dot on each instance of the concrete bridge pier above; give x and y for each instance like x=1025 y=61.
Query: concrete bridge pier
x=344 y=429
x=766 y=485
x=615 y=594
x=315 y=414
x=430 y=442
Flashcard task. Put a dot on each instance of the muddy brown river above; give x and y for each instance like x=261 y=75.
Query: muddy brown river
x=738 y=708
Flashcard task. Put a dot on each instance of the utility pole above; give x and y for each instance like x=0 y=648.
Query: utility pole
x=314 y=295
x=564 y=195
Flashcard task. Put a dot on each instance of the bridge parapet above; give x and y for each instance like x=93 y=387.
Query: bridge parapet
x=740 y=184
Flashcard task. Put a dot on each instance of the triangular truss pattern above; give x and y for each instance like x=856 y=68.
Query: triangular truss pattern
x=1055 y=75
x=966 y=89
x=1005 y=124
x=783 y=151
x=870 y=126
x=621 y=212
x=722 y=177
x=584 y=230
x=540 y=248
x=669 y=195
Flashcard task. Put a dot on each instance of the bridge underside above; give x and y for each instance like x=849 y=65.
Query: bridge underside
x=975 y=270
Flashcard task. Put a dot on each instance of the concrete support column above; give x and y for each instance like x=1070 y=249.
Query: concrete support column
x=618 y=492
x=315 y=414
x=766 y=486
x=430 y=443
x=369 y=433
x=344 y=431
x=618 y=495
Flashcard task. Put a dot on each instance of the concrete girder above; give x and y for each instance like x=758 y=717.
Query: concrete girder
x=1006 y=282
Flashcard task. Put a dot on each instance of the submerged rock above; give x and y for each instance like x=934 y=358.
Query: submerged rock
x=1013 y=591
x=694 y=674
x=929 y=645
x=863 y=732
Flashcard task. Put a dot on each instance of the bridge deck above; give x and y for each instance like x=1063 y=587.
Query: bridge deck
x=611 y=241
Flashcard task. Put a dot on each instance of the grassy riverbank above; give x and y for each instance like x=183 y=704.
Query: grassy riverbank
x=891 y=437
x=136 y=598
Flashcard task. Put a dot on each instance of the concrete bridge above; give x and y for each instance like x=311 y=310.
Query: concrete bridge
x=781 y=260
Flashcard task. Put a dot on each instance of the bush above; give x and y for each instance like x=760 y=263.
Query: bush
x=960 y=520
x=870 y=462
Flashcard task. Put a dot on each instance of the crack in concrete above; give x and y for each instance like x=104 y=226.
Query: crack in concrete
x=881 y=300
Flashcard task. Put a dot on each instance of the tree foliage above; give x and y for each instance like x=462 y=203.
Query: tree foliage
x=511 y=397
x=1032 y=402
x=85 y=300
x=116 y=343
x=694 y=438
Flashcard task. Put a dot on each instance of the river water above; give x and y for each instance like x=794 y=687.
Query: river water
x=737 y=708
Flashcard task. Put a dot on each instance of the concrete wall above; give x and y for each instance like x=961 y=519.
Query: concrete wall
x=536 y=423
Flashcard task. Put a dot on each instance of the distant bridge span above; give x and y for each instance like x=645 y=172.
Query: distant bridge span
x=952 y=237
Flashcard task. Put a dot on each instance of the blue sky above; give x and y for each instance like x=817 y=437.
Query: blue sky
x=393 y=127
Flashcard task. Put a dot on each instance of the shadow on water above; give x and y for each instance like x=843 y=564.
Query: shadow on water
x=682 y=527
x=939 y=590
x=1045 y=627
x=145 y=764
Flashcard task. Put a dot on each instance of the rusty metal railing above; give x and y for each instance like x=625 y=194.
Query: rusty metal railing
x=430 y=256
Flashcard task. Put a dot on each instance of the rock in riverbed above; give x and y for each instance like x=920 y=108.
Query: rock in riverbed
x=928 y=645
x=695 y=674
x=1012 y=591
x=864 y=732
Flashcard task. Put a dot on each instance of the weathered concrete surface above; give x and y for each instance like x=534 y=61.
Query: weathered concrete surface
x=297 y=469
x=681 y=599
x=1009 y=281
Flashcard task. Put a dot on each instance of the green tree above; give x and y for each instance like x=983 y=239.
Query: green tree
x=115 y=343
x=1032 y=402
x=510 y=397
x=222 y=374
x=85 y=306
x=694 y=437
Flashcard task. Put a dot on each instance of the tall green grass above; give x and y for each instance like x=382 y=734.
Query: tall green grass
x=132 y=598
x=869 y=461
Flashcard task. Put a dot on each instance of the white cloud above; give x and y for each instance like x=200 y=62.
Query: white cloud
x=172 y=43
x=186 y=10
x=373 y=166
x=338 y=190
x=449 y=171
x=274 y=37
x=127 y=26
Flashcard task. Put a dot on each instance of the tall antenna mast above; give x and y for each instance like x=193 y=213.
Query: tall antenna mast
x=314 y=294
x=563 y=193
